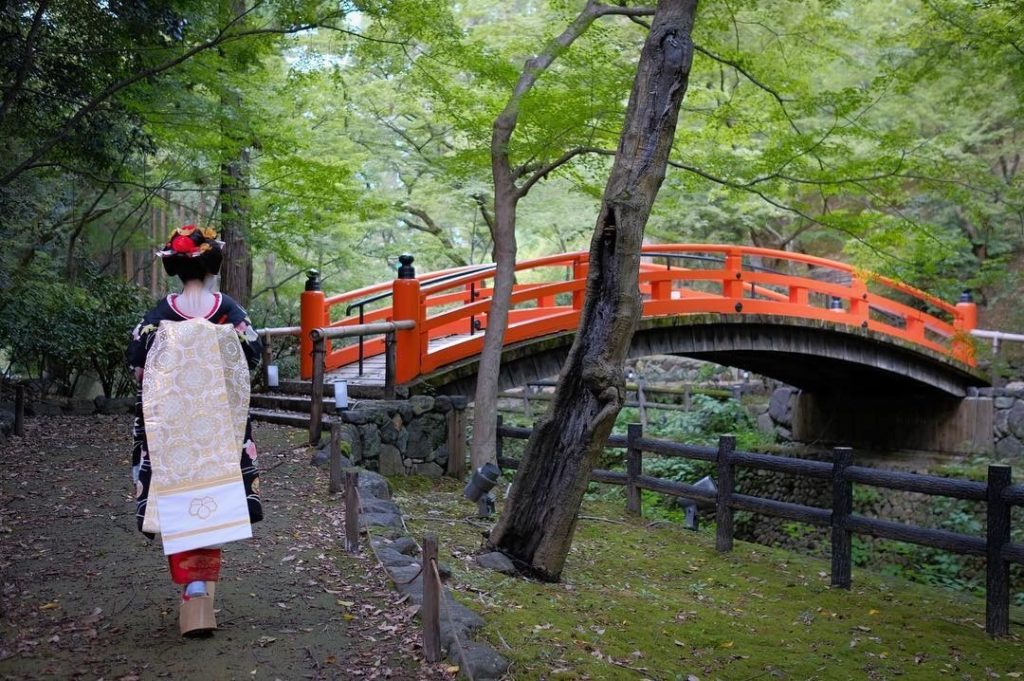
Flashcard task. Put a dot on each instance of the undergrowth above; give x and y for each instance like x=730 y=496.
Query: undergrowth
x=642 y=599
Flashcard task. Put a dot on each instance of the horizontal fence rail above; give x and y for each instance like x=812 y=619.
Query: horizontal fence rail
x=450 y=307
x=998 y=493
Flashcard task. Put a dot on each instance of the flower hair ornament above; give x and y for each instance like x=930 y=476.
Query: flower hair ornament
x=190 y=241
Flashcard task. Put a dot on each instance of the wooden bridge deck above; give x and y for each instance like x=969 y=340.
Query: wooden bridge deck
x=373 y=367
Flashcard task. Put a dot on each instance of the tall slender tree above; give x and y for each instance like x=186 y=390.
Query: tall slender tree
x=540 y=515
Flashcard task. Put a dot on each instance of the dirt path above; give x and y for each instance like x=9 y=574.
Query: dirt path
x=84 y=595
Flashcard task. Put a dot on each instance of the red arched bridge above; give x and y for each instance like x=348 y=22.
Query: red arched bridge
x=810 y=322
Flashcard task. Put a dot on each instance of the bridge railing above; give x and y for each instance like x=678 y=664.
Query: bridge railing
x=998 y=493
x=451 y=307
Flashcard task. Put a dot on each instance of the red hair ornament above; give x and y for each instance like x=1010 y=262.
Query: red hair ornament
x=183 y=245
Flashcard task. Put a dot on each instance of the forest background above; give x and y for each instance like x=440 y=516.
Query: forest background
x=336 y=135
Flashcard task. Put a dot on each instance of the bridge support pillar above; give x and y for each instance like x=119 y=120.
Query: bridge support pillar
x=312 y=315
x=952 y=425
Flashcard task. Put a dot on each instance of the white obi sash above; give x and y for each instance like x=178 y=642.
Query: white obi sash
x=195 y=399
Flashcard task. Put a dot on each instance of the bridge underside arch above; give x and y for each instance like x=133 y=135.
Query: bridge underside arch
x=816 y=356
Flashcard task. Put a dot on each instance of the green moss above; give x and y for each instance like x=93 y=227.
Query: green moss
x=653 y=600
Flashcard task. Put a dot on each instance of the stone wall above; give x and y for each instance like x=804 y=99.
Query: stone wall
x=1008 y=404
x=401 y=437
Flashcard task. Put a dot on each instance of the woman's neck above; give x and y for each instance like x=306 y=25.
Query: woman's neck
x=194 y=300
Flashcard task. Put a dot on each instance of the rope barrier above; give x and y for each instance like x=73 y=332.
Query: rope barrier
x=445 y=596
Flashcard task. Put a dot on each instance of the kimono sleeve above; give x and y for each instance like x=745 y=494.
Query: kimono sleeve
x=251 y=345
x=141 y=339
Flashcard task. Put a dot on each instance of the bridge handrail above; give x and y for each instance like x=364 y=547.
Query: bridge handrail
x=372 y=329
x=997 y=337
x=809 y=260
x=454 y=302
x=274 y=331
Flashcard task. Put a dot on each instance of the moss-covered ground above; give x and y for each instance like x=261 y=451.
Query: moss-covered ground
x=642 y=600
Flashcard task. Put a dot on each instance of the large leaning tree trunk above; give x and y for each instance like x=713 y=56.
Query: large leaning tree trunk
x=510 y=185
x=537 y=525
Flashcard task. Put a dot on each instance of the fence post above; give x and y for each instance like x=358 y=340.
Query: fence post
x=641 y=399
x=634 y=466
x=997 y=570
x=723 y=509
x=352 y=510
x=431 y=611
x=457 y=439
x=19 y=410
x=389 y=365
x=842 y=507
x=316 y=407
x=335 y=452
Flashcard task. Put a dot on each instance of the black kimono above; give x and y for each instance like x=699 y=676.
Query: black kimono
x=224 y=311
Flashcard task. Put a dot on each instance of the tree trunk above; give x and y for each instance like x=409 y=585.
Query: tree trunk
x=236 y=272
x=485 y=400
x=540 y=515
x=503 y=224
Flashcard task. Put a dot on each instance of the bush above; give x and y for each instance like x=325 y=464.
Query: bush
x=54 y=332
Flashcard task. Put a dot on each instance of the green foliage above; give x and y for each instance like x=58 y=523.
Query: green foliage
x=702 y=425
x=54 y=331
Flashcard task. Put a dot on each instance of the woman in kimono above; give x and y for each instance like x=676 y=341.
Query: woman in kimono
x=194 y=256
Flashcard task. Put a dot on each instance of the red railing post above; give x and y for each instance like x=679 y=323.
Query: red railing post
x=859 y=307
x=406 y=306
x=732 y=285
x=965 y=320
x=661 y=289
x=312 y=315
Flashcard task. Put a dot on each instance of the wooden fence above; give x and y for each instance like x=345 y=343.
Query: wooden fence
x=997 y=492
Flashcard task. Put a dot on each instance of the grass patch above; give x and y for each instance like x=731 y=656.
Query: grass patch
x=659 y=602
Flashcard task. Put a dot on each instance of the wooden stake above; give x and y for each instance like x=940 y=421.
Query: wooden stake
x=723 y=508
x=842 y=507
x=352 y=510
x=335 y=484
x=431 y=611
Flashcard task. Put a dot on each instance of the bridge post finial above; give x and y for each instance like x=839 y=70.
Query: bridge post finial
x=405 y=268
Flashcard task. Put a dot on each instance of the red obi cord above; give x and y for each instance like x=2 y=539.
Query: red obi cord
x=197 y=565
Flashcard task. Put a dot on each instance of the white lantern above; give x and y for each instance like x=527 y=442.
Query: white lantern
x=341 y=395
x=272 y=379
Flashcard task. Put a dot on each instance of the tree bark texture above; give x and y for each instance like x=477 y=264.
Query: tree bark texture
x=537 y=525
x=236 y=272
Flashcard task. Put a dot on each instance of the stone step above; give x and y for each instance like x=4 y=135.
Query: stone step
x=280 y=402
x=284 y=418
x=355 y=390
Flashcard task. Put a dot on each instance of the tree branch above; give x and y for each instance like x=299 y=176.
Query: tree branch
x=26 y=61
x=542 y=172
x=222 y=37
x=430 y=227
